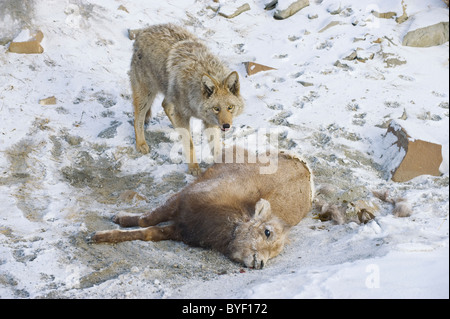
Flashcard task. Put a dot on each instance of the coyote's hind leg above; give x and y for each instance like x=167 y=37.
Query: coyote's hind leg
x=142 y=101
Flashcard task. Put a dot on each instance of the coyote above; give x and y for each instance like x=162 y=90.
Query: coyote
x=231 y=208
x=195 y=83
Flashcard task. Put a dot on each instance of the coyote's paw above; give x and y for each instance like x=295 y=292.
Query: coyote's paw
x=194 y=169
x=143 y=148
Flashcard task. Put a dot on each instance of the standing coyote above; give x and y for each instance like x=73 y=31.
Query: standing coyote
x=169 y=59
x=231 y=208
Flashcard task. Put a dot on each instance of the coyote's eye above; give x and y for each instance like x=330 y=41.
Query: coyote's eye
x=216 y=109
x=230 y=108
x=267 y=233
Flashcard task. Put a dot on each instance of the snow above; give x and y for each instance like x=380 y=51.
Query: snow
x=63 y=166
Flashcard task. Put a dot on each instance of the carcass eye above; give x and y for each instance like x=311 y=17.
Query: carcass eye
x=267 y=233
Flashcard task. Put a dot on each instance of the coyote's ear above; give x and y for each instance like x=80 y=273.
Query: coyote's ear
x=262 y=208
x=232 y=82
x=208 y=85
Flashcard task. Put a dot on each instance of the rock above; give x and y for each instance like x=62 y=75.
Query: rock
x=229 y=11
x=27 y=42
x=432 y=35
x=364 y=55
x=407 y=157
x=360 y=55
x=330 y=25
x=334 y=8
x=404 y=115
x=391 y=60
x=377 y=41
x=344 y=66
x=253 y=68
x=121 y=7
x=384 y=15
x=289 y=8
x=404 y=16
x=351 y=56
x=305 y=84
x=48 y=101
x=271 y=5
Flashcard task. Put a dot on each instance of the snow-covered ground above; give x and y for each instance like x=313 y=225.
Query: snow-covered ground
x=64 y=167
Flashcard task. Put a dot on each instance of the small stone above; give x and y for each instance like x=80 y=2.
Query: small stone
x=271 y=5
x=306 y=84
x=384 y=15
x=351 y=56
x=230 y=13
x=253 y=68
x=342 y=65
x=404 y=115
x=121 y=7
x=330 y=25
x=334 y=9
x=363 y=56
x=291 y=9
x=377 y=41
x=48 y=101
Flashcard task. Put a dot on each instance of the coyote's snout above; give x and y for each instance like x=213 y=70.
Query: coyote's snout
x=195 y=83
x=231 y=208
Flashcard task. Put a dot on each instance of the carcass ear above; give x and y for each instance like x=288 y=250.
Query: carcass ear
x=232 y=82
x=209 y=85
x=262 y=209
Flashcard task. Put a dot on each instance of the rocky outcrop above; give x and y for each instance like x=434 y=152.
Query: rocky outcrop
x=432 y=35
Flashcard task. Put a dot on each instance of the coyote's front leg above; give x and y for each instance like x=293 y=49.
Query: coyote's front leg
x=182 y=124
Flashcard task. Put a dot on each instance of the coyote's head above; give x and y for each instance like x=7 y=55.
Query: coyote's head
x=221 y=100
x=259 y=239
